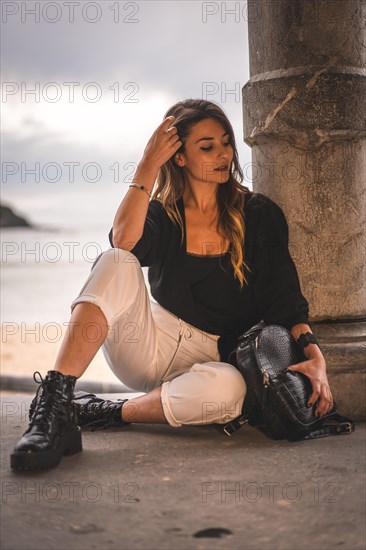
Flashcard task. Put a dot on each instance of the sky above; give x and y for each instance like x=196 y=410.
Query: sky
x=85 y=84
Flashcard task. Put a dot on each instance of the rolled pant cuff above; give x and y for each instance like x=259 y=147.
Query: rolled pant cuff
x=97 y=301
x=166 y=406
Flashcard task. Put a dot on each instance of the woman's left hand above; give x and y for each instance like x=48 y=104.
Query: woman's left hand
x=315 y=370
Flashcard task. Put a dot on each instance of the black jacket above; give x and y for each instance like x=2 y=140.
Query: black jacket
x=273 y=292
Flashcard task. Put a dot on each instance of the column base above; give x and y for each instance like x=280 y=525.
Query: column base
x=343 y=344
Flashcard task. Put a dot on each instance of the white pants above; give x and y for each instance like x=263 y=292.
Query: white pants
x=147 y=346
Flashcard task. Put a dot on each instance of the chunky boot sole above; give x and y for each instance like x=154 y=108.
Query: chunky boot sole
x=44 y=460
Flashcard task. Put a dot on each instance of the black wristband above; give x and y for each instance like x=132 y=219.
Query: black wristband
x=306 y=339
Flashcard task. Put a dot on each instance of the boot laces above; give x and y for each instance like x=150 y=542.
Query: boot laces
x=107 y=409
x=45 y=404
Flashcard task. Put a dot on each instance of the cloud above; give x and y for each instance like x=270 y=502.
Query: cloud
x=167 y=55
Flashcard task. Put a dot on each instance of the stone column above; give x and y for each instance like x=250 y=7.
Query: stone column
x=304 y=117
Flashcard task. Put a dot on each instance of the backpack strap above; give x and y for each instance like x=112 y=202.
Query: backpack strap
x=336 y=425
x=234 y=425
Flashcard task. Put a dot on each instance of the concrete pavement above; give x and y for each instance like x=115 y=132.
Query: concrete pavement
x=157 y=487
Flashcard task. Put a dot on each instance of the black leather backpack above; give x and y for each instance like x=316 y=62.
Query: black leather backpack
x=276 y=399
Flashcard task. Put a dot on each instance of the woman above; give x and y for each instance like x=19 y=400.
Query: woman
x=218 y=263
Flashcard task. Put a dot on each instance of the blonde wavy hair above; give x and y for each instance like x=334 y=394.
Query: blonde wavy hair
x=230 y=196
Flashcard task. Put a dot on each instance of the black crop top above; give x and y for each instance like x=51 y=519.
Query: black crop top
x=213 y=275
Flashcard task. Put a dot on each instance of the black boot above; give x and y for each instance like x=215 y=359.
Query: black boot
x=98 y=414
x=53 y=429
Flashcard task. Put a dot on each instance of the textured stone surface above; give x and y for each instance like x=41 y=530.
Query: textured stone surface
x=297 y=33
x=150 y=486
x=305 y=118
x=323 y=197
x=275 y=101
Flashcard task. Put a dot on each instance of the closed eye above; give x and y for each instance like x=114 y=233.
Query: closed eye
x=211 y=147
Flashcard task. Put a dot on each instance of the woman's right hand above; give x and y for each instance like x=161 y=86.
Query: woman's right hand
x=162 y=145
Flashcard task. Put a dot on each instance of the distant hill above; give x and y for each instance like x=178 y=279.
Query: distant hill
x=9 y=219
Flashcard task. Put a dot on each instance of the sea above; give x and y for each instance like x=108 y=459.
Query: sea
x=43 y=271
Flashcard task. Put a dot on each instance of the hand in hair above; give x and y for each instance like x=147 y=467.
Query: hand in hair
x=162 y=145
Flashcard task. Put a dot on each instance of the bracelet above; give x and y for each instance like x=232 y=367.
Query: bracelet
x=305 y=339
x=138 y=186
